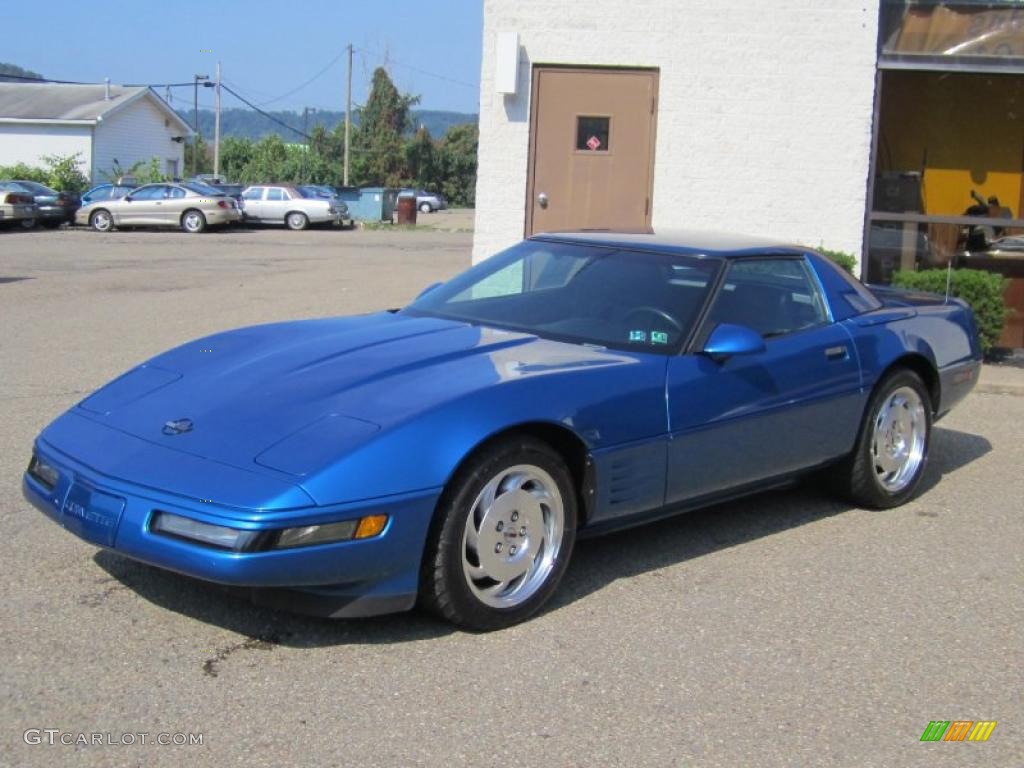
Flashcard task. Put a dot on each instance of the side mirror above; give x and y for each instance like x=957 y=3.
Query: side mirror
x=729 y=340
x=426 y=290
x=127 y=198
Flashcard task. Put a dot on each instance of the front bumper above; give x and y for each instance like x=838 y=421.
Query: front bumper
x=349 y=578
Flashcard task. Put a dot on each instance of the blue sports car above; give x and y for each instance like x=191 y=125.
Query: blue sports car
x=451 y=452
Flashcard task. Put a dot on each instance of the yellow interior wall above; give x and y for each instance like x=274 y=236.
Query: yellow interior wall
x=963 y=131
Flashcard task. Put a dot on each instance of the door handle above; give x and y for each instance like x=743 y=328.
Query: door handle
x=542 y=200
x=837 y=353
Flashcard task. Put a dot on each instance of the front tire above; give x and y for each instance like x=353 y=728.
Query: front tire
x=503 y=537
x=193 y=222
x=888 y=462
x=296 y=221
x=101 y=220
x=426 y=208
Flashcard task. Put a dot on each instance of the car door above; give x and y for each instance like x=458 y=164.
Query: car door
x=140 y=207
x=275 y=204
x=173 y=206
x=252 y=202
x=752 y=417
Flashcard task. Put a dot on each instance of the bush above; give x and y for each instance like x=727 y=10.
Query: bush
x=845 y=260
x=982 y=290
x=62 y=173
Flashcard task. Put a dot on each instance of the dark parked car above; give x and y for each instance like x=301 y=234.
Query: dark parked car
x=107 y=192
x=54 y=207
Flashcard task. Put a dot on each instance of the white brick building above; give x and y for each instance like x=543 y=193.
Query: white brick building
x=100 y=123
x=763 y=113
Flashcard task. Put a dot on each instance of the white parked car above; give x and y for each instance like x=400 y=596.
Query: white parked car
x=288 y=205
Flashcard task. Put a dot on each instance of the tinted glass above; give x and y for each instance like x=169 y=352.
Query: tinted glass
x=772 y=296
x=177 y=193
x=202 y=189
x=155 y=192
x=580 y=293
x=36 y=188
x=99 y=193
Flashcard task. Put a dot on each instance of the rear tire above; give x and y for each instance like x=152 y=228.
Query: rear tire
x=296 y=221
x=887 y=464
x=426 y=208
x=193 y=221
x=502 y=538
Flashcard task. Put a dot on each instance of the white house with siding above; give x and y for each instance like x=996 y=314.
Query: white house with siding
x=101 y=123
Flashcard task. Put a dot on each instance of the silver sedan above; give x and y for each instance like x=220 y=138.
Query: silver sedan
x=288 y=205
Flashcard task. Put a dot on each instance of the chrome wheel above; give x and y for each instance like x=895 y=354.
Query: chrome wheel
x=193 y=221
x=512 y=536
x=898 y=439
x=297 y=221
x=102 y=222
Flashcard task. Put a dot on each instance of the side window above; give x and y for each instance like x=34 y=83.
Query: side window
x=253 y=193
x=177 y=193
x=772 y=296
x=275 y=193
x=156 y=192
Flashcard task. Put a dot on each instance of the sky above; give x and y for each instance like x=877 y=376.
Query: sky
x=267 y=50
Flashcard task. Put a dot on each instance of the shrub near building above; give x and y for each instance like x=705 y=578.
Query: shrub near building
x=982 y=290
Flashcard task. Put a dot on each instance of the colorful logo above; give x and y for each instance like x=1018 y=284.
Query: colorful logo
x=958 y=730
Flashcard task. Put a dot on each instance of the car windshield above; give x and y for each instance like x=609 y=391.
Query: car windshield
x=580 y=293
x=202 y=189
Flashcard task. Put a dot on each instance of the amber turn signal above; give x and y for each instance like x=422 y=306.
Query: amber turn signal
x=370 y=525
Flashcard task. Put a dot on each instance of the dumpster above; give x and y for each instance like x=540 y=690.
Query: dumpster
x=369 y=203
x=407 y=209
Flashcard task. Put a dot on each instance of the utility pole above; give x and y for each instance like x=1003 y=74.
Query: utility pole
x=195 y=120
x=216 y=128
x=348 y=113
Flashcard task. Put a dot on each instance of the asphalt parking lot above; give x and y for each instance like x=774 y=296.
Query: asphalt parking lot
x=787 y=629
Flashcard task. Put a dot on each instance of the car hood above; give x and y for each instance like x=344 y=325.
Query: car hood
x=250 y=397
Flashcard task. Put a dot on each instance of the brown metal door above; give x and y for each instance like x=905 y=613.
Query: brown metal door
x=591 y=149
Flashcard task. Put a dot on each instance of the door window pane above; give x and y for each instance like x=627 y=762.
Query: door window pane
x=772 y=296
x=275 y=193
x=256 y=193
x=592 y=134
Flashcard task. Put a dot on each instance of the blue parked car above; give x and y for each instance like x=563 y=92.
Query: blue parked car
x=107 y=192
x=451 y=452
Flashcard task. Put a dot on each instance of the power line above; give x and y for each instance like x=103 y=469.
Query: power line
x=315 y=77
x=267 y=115
x=388 y=60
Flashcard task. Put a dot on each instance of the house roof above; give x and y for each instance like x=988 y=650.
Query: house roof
x=61 y=103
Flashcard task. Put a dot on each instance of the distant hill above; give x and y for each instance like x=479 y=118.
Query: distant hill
x=13 y=69
x=246 y=123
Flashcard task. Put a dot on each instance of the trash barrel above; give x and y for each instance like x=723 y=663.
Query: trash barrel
x=407 y=210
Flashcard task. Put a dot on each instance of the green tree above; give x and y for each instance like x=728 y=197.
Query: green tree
x=378 y=158
x=197 y=157
x=235 y=154
x=457 y=162
x=421 y=164
x=14 y=73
